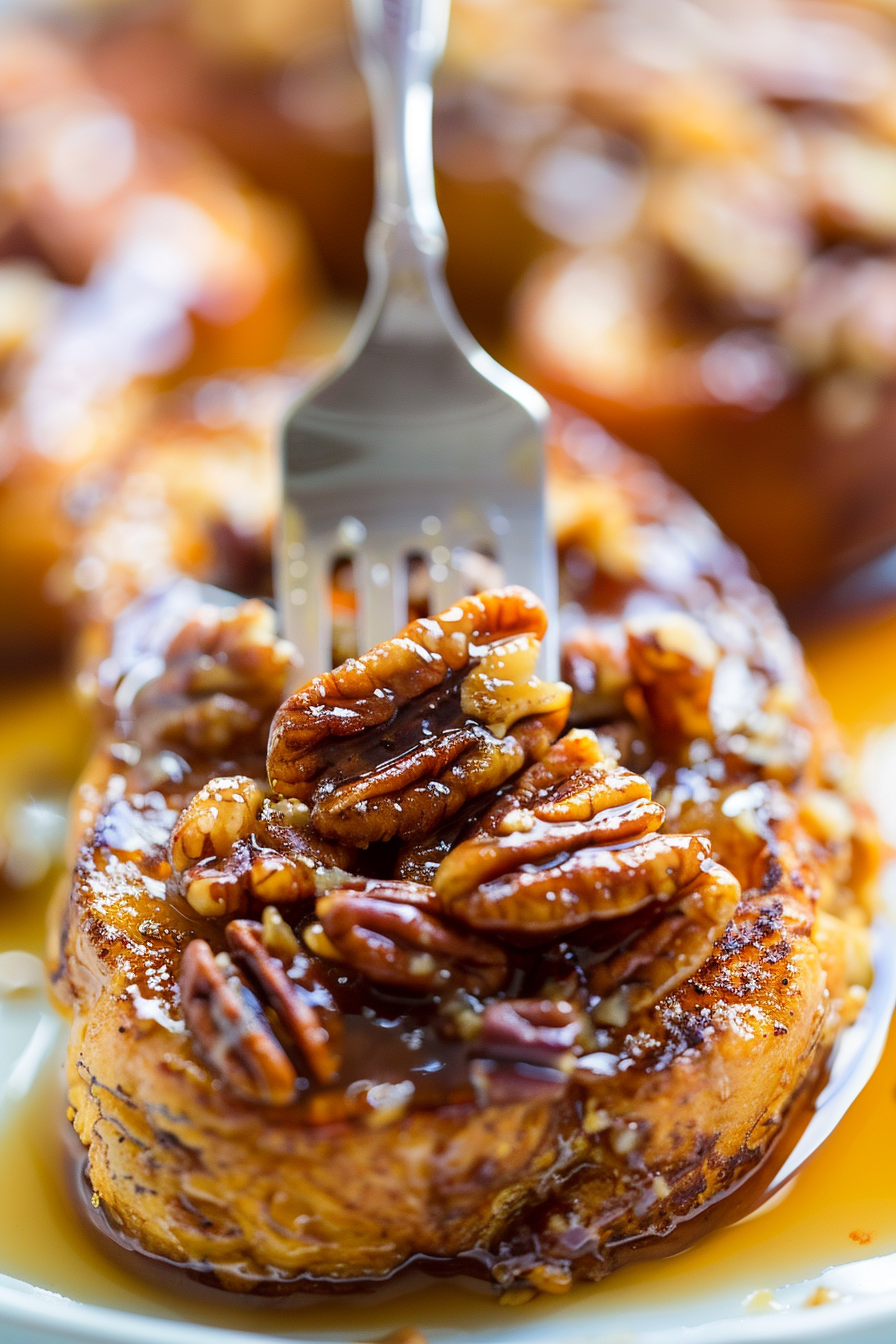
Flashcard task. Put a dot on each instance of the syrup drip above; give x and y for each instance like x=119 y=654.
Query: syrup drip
x=841 y=1207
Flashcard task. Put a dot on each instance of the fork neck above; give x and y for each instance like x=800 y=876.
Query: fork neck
x=400 y=43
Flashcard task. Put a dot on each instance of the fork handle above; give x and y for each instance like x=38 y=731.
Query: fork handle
x=400 y=43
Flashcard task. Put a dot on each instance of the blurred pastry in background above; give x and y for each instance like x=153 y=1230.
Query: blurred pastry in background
x=677 y=217
x=132 y=257
x=678 y=190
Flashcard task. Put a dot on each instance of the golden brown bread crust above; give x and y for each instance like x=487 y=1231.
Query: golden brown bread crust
x=546 y=1162
x=196 y=1176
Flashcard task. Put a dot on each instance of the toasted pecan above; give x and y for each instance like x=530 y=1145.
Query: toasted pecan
x=574 y=797
x=237 y=847
x=230 y=1030
x=224 y=673
x=673 y=662
x=399 y=740
x=221 y=813
x=572 y=844
x=396 y=934
x=251 y=951
x=671 y=947
x=537 y=1031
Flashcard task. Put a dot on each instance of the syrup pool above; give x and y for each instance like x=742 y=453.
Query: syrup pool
x=840 y=1209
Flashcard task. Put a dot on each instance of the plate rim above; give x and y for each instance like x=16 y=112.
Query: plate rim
x=83 y=1323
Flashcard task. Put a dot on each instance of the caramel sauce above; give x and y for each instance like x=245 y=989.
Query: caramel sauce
x=841 y=1207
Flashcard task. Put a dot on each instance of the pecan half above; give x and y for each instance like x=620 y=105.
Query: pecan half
x=249 y=949
x=595 y=663
x=230 y=1030
x=574 y=797
x=397 y=741
x=591 y=886
x=243 y=847
x=537 y=1031
x=212 y=688
x=685 y=688
x=668 y=951
x=396 y=934
x=234 y=652
x=673 y=662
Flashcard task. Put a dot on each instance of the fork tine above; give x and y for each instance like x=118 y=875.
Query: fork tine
x=528 y=557
x=446 y=586
x=382 y=591
x=304 y=579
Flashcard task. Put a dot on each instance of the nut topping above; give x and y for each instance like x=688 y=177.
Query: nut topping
x=685 y=690
x=224 y=673
x=503 y=688
x=664 y=954
x=235 y=653
x=247 y=850
x=538 y=1031
x=396 y=742
x=590 y=886
x=231 y=1031
x=219 y=815
x=673 y=661
x=396 y=934
x=575 y=796
x=251 y=952
x=412 y=742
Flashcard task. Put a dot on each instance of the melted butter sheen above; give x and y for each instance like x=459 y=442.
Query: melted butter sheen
x=842 y=1206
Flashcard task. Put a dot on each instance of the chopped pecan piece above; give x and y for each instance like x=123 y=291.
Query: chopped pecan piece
x=502 y=687
x=574 y=797
x=396 y=742
x=231 y=1031
x=249 y=949
x=396 y=934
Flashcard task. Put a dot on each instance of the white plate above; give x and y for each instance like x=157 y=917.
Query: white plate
x=30 y=1035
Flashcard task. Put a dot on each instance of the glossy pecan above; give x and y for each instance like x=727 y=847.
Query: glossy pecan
x=595 y=663
x=396 y=742
x=236 y=652
x=671 y=948
x=537 y=1031
x=687 y=688
x=395 y=933
x=591 y=886
x=251 y=950
x=233 y=846
x=221 y=813
x=574 y=797
x=500 y=1082
x=673 y=662
x=230 y=1030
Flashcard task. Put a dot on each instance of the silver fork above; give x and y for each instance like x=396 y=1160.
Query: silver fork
x=419 y=444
